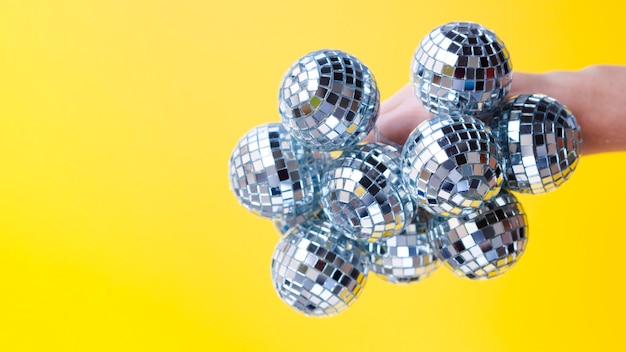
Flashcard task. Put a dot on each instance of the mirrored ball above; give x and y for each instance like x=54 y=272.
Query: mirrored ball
x=484 y=244
x=317 y=271
x=363 y=193
x=329 y=100
x=407 y=257
x=461 y=67
x=451 y=164
x=272 y=175
x=541 y=140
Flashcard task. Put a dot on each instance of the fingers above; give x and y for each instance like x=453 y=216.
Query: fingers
x=403 y=111
x=397 y=99
x=399 y=115
x=399 y=122
x=523 y=83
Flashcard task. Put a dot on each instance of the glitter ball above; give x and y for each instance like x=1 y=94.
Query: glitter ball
x=461 y=67
x=407 y=257
x=272 y=175
x=451 y=164
x=484 y=244
x=541 y=143
x=329 y=100
x=363 y=194
x=317 y=271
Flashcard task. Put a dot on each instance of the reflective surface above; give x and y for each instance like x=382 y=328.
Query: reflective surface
x=329 y=100
x=343 y=207
x=363 y=193
x=542 y=142
x=451 y=164
x=461 y=67
x=271 y=174
x=484 y=244
x=407 y=257
x=317 y=271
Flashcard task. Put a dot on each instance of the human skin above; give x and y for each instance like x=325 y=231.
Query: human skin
x=595 y=95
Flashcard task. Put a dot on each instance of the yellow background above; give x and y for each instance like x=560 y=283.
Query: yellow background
x=118 y=231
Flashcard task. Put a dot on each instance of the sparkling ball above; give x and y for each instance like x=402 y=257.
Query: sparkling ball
x=363 y=194
x=484 y=244
x=407 y=257
x=317 y=271
x=329 y=100
x=461 y=67
x=451 y=164
x=273 y=175
x=283 y=224
x=541 y=142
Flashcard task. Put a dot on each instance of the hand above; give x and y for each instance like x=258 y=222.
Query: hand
x=594 y=95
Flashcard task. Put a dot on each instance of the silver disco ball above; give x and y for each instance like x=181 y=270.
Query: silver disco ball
x=272 y=175
x=461 y=67
x=407 y=257
x=329 y=100
x=363 y=193
x=484 y=244
x=317 y=271
x=451 y=164
x=542 y=142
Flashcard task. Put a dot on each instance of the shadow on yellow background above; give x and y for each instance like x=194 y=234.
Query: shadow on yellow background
x=118 y=231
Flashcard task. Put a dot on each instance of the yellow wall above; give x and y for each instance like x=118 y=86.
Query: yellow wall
x=118 y=231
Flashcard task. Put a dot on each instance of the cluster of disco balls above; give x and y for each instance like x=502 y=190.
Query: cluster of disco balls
x=345 y=207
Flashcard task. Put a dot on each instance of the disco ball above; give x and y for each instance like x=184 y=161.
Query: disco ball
x=451 y=164
x=461 y=67
x=272 y=175
x=484 y=244
x=407 y=257
x=329 y=100
x=317 y=271
x=344 y=207
x=363 y=193
x=542 y=142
